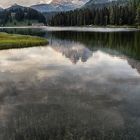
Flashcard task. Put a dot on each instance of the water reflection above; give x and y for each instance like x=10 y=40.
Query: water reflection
x=99 y=94
x=71 y=89
x=123 y=42
x=74 y=51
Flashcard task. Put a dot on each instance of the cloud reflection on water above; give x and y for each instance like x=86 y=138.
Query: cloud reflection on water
x=53 y=75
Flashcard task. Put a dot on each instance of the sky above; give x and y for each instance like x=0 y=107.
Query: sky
x=7 y=3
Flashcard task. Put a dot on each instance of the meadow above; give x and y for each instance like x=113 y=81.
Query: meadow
x=8 y=41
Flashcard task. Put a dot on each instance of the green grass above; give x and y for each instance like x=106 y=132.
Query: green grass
x=8 y=41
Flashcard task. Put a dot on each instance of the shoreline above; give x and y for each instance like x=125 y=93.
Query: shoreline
x=79 y=28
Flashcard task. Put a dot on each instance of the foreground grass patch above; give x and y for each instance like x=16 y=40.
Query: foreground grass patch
x=8 y=41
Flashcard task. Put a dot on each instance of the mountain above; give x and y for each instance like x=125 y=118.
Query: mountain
x=15 y=7
x=19 y=15
x=1 y=9
x=59 y=5
x=103 y=3
x=54 y=7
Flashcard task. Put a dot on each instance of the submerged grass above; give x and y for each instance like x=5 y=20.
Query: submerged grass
x=8 y=41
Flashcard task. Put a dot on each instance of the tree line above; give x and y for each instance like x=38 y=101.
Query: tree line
x=128 y=14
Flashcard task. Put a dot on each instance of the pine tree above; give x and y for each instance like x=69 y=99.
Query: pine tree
x=138 y=15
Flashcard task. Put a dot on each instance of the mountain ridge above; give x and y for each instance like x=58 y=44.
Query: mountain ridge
x=103 y=3
x=55 y=7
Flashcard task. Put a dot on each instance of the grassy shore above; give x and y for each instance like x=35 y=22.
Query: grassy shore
x=8 y=41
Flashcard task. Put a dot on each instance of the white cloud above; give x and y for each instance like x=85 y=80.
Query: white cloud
x=7 y=3
x=45 y=1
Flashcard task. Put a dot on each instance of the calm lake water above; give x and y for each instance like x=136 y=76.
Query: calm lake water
x=82 y=86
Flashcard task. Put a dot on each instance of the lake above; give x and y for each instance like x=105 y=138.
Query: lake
x=84 y=85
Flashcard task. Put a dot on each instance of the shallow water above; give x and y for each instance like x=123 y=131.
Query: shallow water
x=81 y=86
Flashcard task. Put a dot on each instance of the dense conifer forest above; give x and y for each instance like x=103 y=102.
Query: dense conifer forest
x=128 y=14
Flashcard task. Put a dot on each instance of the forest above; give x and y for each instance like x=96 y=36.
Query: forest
x=20 y=14
x=128 y=14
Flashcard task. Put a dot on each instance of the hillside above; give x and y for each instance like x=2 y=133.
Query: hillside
x=1 y=9
x=50 y=10
x=59 y=6
x=19 y=15
x=104 y=3
x=53 y=7
x=101 y=13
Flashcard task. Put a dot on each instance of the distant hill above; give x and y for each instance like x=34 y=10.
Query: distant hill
x=54 y=7
x=19 y=15
x=103 y=3
x=14 y=7
x=1 y=9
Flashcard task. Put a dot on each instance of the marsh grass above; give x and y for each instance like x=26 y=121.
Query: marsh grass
x=8 y=41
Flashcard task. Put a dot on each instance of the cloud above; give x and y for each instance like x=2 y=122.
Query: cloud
x=7 y=3
x=45 y=1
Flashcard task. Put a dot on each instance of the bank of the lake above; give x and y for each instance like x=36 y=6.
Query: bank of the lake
x=8 y=41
